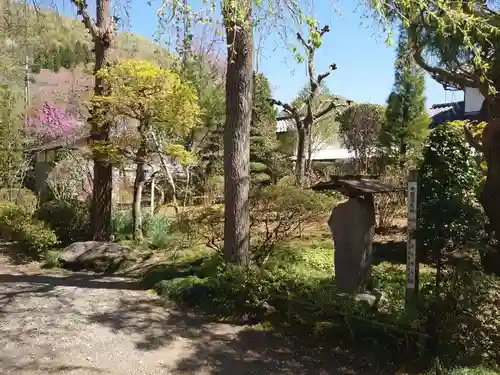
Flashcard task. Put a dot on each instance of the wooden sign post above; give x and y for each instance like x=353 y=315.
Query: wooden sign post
x=412 y=266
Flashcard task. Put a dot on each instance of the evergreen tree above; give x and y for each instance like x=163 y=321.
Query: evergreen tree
x=68 y=60
x=407 y=119
x=267 y=163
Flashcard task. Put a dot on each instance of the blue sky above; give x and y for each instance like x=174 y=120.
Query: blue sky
x=365 y=62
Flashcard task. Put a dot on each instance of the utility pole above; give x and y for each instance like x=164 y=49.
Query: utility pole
x=26 y=89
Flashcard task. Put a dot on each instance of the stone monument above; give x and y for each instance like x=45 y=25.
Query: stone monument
x=353 y=226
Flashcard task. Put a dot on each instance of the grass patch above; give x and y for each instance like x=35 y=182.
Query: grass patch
x=471 y=371
x=51 y=259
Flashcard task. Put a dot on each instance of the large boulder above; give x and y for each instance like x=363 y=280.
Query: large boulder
x=353 y=226
x=96 y=256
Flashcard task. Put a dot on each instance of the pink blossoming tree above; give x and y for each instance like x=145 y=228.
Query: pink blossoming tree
x=49 y=123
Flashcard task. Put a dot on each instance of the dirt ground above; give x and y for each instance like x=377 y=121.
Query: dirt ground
x=85 y=324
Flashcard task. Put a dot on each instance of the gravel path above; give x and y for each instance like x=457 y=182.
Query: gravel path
x=84 y=324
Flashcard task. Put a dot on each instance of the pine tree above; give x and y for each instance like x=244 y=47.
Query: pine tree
x=262 y=130
x=407 y=119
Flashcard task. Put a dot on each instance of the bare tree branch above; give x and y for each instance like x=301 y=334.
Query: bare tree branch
x=293 y=111
x=333 y=105
x=307 y=44
x=287 y=107
x=324 y=30
x=321 y=77
x=82 y=10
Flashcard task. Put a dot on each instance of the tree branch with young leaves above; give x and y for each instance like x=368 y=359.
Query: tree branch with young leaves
x=462 y=37
x=165 y=109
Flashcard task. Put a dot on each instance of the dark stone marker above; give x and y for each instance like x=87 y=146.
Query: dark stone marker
x=353 y=226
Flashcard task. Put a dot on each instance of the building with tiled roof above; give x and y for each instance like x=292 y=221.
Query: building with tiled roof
x=467 y=109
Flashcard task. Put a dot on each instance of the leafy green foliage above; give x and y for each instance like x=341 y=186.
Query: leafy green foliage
x=294 y=292
x=121 y=225
x=157 y=230
x=407 y=120
x=278 y=213
x=480 y=370
x=205 y=141
x=360 y=126
x=21 y=197
x=470 y=325
x=60 y=56
x=68 y=219
x=17 y=224
x=142 y=90
x=449 y=179
x=154 y=96
x=463 y=36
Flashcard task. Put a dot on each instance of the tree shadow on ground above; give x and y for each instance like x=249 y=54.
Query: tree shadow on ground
x=391 y=251
x=202 y=346
x=37 y=366
x=79 y=280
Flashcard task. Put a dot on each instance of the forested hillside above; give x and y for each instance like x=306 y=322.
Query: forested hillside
x=59 y=53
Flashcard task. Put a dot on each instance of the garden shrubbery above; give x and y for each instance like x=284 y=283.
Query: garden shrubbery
x=156 y=229
x=449 y=213
x=290 y=284
x=295 y=292
x=69 y=219
x=278 y=214
x=470 y=324
x=18 y=224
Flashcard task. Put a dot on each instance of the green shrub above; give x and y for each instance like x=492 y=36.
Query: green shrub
x=121 y=224
x=157 y=230
x=470 y=326
x=278 y=213
x=470 y=371
x=17 y=224
x=21 y=197
x=51 y=259
x=296 y=289
x=69 y=219
x=449 y=214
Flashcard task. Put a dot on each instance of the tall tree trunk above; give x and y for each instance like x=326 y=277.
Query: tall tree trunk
x=302 y=147
x=100 y=216
x=403 y=149
x=309 y=153
x=168 y=172
x=239 y=82
x=137 y=202
x=490 y=194
x=140 y=178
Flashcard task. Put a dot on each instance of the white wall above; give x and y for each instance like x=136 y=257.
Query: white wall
x=473 y=100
